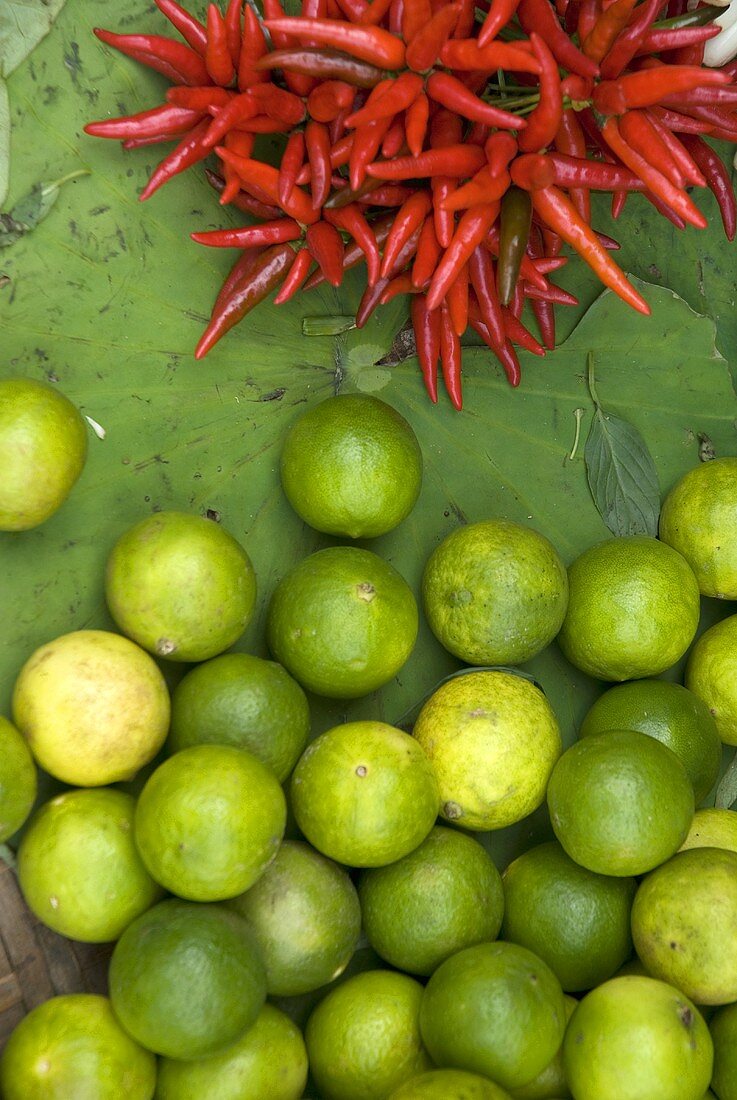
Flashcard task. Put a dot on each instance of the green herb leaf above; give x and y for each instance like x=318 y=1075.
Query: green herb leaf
x=621 y=473
x=23 y=23
x=726 y=794
x=327 y=326
x=4 y=141
x=31 y=209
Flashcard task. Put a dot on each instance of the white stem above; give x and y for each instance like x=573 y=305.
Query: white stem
x=723 y=47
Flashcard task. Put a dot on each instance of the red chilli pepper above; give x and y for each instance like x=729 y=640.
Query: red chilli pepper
x=290 y=164
x=409 y=219
x=544 y=311
x=233 y=30
x=544 y=121
x=415 y=123
x=465 y=55
x=717 y=178
x=606 y=29
x=180 y=63
x=570 y=140
x=253 y=48
x=427 y=256
x=317 y=144
x=499 y=14
x=457 y=301
x=217 y=55
x=483 y=281
x=325 y=245
x=329 y=99
x=266 y=178
x=424 y=47
x=450 y=358
x=189 y=151
x=296 y=276
x=649 y=86
x=399 y=95
x=208 y=98
x=372 y=44
x=166 y=120
x=426 y=325
x=191 y=30
x=539 y=16
x=471 y=230
x=273 y=232
x=450 y=92
x=242 y=200
x=351 y=219
x=455 y=161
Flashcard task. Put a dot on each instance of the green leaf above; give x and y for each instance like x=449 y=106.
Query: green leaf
x=726 y=793
x=29 y=211
x=23 y=24
x=4 y=141
x=621 y=472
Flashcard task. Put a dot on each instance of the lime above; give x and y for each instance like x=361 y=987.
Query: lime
x=43 y=447
x=180 y=586
x=633 y=609
x=343 y=622
x=577 y=921
x=492 y=740
x=269 y=1060
x=78 y=866
x=351 y=466
x=209 y=820
x=494 y=1009
x=18 y=780
x=364 y=794
x=495 y=593
x=620 y=802
x=449 y=1084
x=93 y=707
x=550 y=1083
x=187 y=980
x=240 y=700
x=683 y=922
x=635 y=1038
x=699 y=519
x=723 y=1028
x=711 y=673
x=671 y=714
x=305 y=914
x=363 y=1039
x=73 y=1046
x=712 y=828
x=445 y=895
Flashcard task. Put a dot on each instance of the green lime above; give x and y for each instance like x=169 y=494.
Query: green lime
x=550 y=1083
x=683 y=924
x=78 y=866
x=449 y=1084
x=712 y=828
x=269 y=1060
x=180 y=586
x=577 y=921
x=633 y=609
x=305 y=914
x=634 y=1038
x=492 y=740
x=495 y=593
x=364 y=794
x=494 y=1009
x=73 y=1046
x=209 y=820
x=723 y=1028
x=699 y=519
x=445 y=895
x=352 y=467
x=93 y=707
x=343 y=622
x=671 y=714
x=43 y=447
x=363 y=1039
x=240 y=700
x=18 y=779
x=187 y=980
x=620 y=802
x=711 y=673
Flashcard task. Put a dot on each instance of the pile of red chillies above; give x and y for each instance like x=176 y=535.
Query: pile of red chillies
x=451 y=147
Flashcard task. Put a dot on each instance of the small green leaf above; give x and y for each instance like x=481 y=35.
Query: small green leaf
x=31 y=209
x=23 y=23
x=726 y=794
x=621 y=473
x=4 y=141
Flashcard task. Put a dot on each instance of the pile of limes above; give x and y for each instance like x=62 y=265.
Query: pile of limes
x=255 y=878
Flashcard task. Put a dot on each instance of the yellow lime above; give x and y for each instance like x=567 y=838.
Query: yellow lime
x=43 y=447
x=305 y=914
x=449 y=1084
x=18 y=780
x=577 y=921
x=187 y=980
x=723 y=1028
x=364 y=794
x=495 y=592
x=683 y=923
x=711 y=673
x=209 y=820
x=78 y=866
x=633 y=609
x=620 y=802
x=180 y=586
x=268 y=1061
x=671 y=714
x=73 y=1046
x=712 y=828
x=633 y=1038
x=492 y=740
x=445 y=895
x=494 y=1009
x=93 y=707
x=550 y=1083
x=699 y=519
x=351 y=466
x=343 y=622
x=363 y=1039
x=240 y=700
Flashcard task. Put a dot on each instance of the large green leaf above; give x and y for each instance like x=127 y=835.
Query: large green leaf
x=108 y=296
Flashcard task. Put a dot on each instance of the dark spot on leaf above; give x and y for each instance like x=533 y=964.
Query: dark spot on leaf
x=273 y=395
x=685 y=1015
x=458 y=512
x=4 y=281
x=212 y=514
x=673 y=945
x=73 y=61
x=707 y=452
